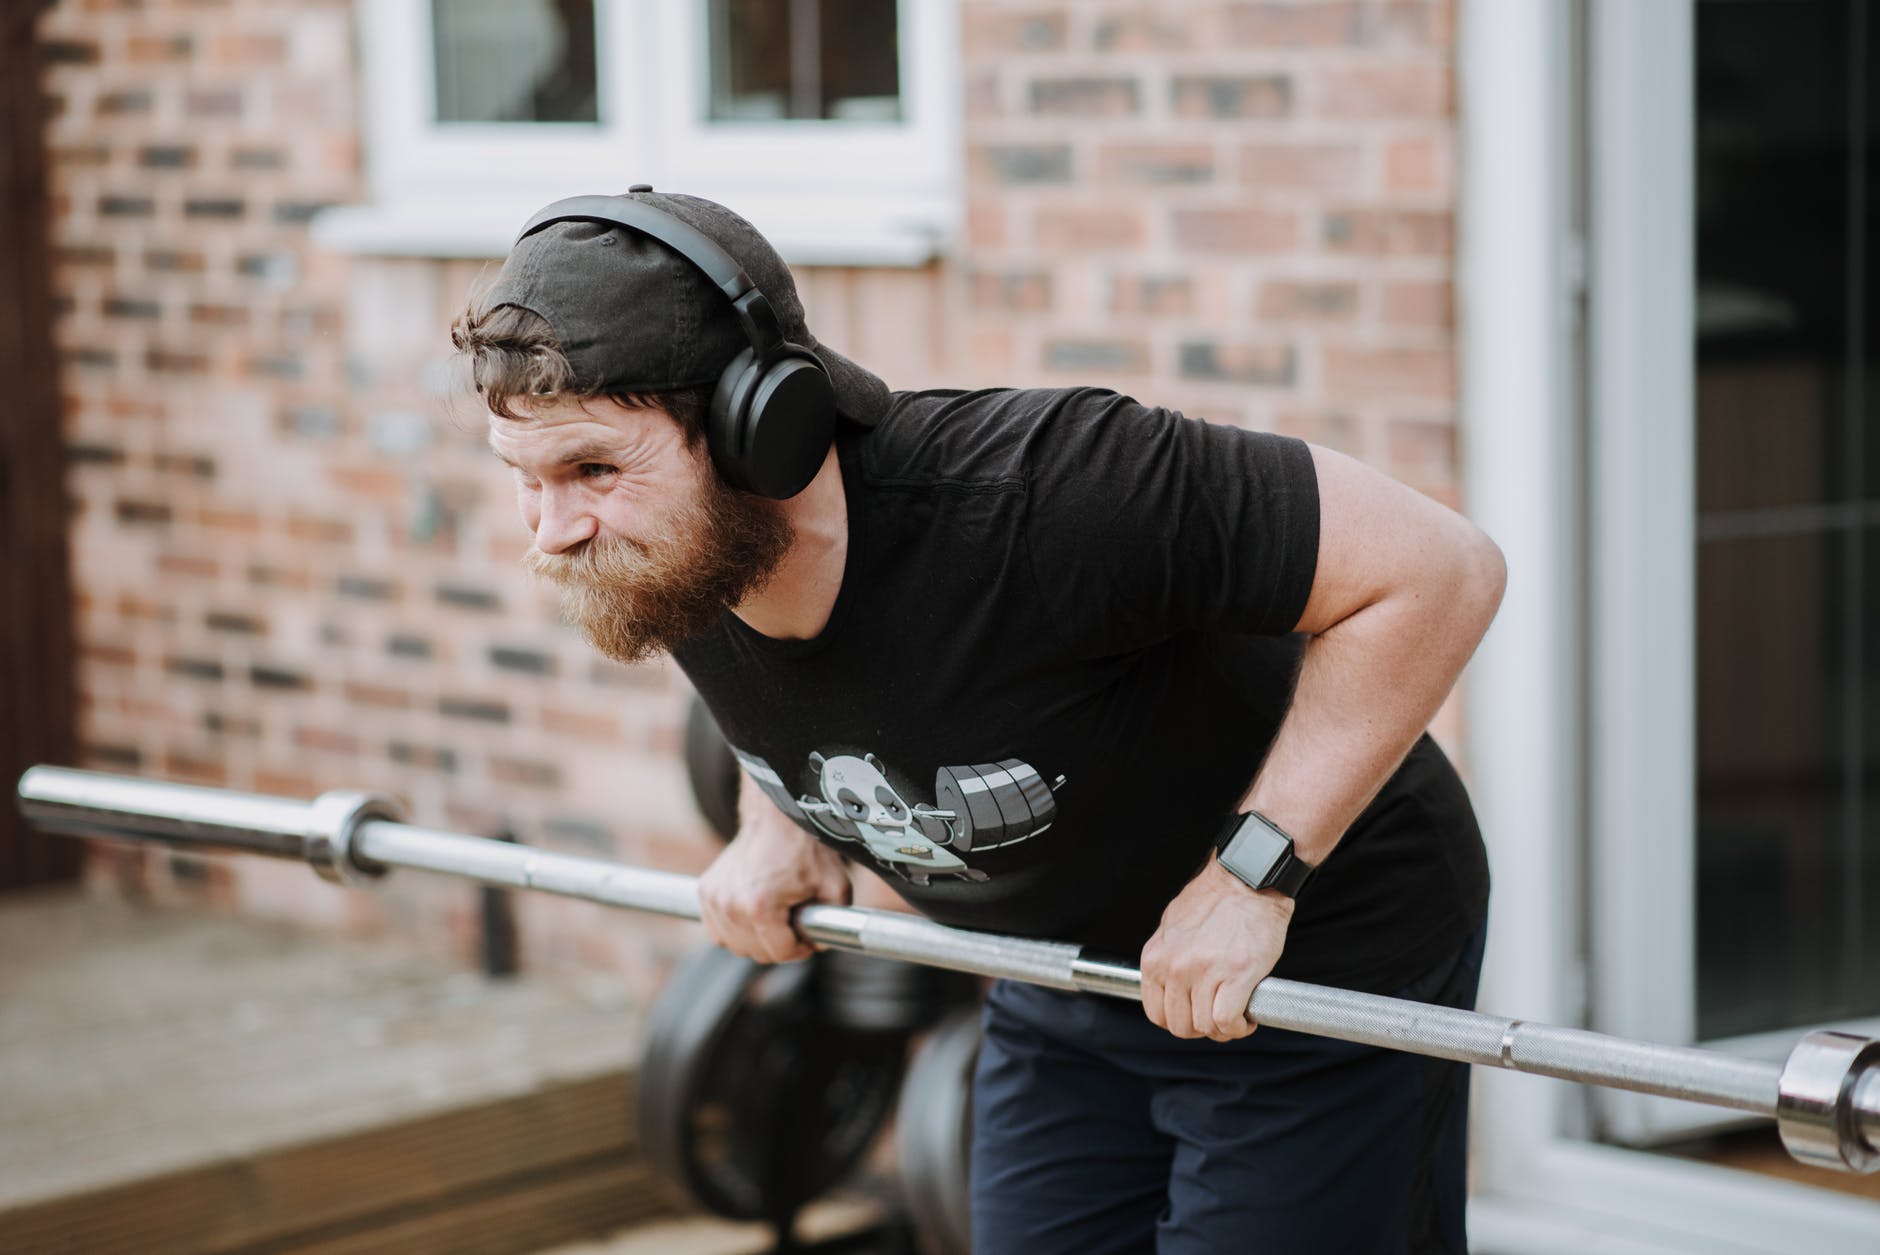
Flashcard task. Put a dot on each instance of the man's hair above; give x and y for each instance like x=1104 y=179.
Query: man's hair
x=514 y=355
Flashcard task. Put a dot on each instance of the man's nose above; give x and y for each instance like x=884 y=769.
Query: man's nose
x=564 y=523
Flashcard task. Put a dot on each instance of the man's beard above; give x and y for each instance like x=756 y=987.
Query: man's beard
x=633 y=598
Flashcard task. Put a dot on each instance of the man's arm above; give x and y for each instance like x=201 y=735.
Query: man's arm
x=1402 y=593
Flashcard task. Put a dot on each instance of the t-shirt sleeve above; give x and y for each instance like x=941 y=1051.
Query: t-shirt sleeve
x=1143 y=523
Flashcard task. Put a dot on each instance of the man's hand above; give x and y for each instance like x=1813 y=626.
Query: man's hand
x=768 y=870
x=1218 y=939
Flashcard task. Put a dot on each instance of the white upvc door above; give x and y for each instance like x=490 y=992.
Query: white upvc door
x=1580 y=932
x=1644 y=317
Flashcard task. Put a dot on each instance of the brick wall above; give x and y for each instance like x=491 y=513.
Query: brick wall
x=297 y=566
x=1241 y=210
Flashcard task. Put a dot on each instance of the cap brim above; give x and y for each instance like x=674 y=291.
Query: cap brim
x=861 y=394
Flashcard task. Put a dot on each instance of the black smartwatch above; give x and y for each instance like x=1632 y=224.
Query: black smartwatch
x=1259 y=852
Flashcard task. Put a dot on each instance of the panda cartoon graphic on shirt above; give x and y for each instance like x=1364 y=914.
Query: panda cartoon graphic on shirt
x=975 y=808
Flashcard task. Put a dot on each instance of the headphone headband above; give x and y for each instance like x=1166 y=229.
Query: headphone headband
x=750 y=304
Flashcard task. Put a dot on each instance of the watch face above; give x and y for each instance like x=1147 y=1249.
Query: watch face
x=1255 y=851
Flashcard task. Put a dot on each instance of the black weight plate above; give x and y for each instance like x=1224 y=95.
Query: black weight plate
x=712 y=769
x=749 y=1100
x=933 y=1134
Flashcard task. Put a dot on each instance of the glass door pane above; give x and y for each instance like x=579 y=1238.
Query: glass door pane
x=1788 y=833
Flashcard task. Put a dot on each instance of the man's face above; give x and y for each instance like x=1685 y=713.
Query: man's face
x=645 y=541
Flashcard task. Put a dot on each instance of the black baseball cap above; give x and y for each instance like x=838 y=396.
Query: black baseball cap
x=634 y=315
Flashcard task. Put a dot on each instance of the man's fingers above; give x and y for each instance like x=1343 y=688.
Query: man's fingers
x=1178 y=1010
x=1230 y=1011
x=1152 y=1002
x=1201 y=1007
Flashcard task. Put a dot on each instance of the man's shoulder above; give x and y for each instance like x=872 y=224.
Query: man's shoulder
x=985 y=436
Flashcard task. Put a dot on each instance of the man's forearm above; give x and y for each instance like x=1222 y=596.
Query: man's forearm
x=1368 y=687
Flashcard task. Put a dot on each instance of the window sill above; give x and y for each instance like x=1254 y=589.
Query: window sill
x=823 y=231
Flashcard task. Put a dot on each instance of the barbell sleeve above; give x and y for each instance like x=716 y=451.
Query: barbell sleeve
x=1825 y=1098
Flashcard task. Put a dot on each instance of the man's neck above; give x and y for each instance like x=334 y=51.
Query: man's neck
x=797 y=602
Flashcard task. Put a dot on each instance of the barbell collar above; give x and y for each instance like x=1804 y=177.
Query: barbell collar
x=332 y=828
x=1828 y=1101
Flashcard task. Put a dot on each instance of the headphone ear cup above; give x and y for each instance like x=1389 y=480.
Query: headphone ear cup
x=725 y=426
x=777 y=420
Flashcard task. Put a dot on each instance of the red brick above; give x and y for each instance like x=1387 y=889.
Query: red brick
x=191 y=769
x=249 y=50
x=1300 y=167
x=235 y=522
x=1294 y=300
x=575 y=723
x=311 y=527
x=190 y=565
x=1421 y=450
x=1419 y=305
x=1334 y=429
x=1238 y=96
x=986 y=30
x=1156 y=163
x=381 y=482
x=1152 y=294
x=1142 y=30
x=1235 y=230
x=983 y=97
x=97 y=653
x=991 y=351
x=158 y=48
x=1108 y=357
x=1028 y=291
x=1085 y=97
x=286 y=783
x=1387 y=92
x=985 y=224
x=1020 y=164
x=1294 y=25
x=1079 y=229
x=377 y=695
x=1424 y=374
x=326 y=740
x=1389 y=232
x=1418 y=164
x=1261 y=365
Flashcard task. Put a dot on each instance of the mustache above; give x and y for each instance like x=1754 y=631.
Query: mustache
x=599 y=559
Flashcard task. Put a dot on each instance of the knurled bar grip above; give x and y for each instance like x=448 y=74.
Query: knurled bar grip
x=1826 y=1098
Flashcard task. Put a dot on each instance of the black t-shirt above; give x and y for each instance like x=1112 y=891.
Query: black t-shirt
x=1060 y=650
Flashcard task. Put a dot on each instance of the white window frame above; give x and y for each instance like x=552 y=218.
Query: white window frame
x=1540 y=1185
x=825 y=193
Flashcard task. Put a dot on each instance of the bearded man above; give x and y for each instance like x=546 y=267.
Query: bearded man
x=1190 y=666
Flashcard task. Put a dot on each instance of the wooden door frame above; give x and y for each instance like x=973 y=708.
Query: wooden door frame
x=38 y=699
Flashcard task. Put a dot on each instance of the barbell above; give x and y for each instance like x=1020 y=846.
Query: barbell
x=1825 y=1098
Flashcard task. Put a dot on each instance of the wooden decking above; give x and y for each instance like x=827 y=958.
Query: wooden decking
x=177 y=1081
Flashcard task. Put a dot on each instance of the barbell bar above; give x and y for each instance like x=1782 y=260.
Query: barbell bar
x=1825 y=1098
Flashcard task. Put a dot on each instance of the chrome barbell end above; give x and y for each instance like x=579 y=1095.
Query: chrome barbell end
x=1819 y=1099
x=333 y=821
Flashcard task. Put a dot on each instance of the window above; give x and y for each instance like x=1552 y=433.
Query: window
x=824 y=59
x=832 y=124
x=499 y=61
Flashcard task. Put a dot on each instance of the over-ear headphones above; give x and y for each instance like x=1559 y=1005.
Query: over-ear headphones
x=773 y=411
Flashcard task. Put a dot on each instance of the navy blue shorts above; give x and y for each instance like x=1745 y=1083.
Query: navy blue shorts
x=1095 y=1131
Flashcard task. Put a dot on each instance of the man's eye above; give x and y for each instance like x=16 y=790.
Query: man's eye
x=595 y=470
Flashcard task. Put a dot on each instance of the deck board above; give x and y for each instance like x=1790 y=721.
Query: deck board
x=183 y=1080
